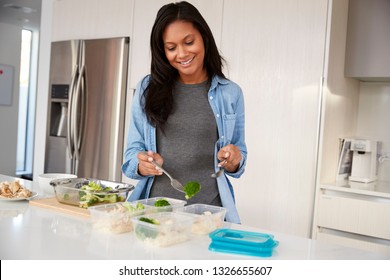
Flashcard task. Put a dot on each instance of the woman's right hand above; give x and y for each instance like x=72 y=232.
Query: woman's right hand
x=145 y=165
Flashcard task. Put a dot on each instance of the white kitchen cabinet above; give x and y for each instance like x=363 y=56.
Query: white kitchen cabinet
x=355 y=214
x=91 y=19
x=368 y=42
x=275 y=51
x=344 y=214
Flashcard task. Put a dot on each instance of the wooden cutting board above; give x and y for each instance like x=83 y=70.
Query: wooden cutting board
x=53 y=204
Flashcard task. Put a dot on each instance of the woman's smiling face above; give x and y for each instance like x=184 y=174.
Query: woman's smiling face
x=184 y=49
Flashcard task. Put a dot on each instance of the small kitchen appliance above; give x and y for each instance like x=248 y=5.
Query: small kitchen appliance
x=364 y=160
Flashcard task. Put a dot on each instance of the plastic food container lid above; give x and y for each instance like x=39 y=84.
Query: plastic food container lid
x=242 y=242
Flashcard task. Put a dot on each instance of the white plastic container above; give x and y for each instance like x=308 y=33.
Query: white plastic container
x=207 y=218
x=169 y=228
x=174 y=203
x=116 y=217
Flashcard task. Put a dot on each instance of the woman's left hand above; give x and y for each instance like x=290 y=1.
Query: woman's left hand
x=230 y=157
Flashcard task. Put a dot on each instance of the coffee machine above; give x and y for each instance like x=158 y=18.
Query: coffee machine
x=364 y=160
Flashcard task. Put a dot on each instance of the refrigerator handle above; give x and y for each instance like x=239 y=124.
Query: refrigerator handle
x=78 y=124
x=83 y=109
x=70 y=112
x=79 y=108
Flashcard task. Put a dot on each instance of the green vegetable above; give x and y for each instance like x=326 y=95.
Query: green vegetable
x=94 y=193
x=131 y=208
x=144 y=232
x=161 y=203
x=92 y=186
x=191 y=189
x=149 y=220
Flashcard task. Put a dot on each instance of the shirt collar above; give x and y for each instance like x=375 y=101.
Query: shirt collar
x=217 y=80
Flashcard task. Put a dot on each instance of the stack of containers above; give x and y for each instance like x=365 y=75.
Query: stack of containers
x=242 y=242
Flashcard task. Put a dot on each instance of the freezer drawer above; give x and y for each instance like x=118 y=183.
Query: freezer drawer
x=356 y=214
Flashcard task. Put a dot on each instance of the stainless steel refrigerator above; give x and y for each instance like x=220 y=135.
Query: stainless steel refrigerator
x=86 y=110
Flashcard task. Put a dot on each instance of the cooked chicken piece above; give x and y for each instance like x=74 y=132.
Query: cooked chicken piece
x=5 y=190
x=13 y=190
x=15 y=187
x=24 y=193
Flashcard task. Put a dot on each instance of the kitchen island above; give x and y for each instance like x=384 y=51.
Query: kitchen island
x=31 y=232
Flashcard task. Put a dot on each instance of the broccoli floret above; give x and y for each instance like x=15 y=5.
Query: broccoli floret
x=110 y=198
x=92 y=186
x=161 y=203
x=191 y=189
x=144 y=231
x=88 y=199
x=131 y=208
x=88 y=196
x=149 y=220
x=139 y=206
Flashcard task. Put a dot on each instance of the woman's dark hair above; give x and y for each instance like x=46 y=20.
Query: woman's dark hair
x=158 y=94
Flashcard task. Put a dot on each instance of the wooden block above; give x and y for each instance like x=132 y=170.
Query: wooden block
x=53 y=204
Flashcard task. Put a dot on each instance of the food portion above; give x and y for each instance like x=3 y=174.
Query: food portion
x=207 y=218
x=94 y=193
x=161 y=203
x=149 y=220
x=162 y=229
x=13 y=190
x=130 y=208
x=191 y=189
x=86 y=192
x=115 y=218
x=206 y=223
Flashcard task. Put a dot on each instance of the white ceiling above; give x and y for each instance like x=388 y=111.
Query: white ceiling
x=23 y=13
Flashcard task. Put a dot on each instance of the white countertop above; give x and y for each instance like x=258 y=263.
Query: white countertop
x=379 y=189
x=32 y=232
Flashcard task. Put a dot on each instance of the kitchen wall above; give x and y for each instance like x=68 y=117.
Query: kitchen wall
x=275 y=51
x=373 y=120
x=340 y=98
x=9 y=55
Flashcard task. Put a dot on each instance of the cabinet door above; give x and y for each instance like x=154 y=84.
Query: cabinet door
x=275 y=51
x=91 y=19
x=368 y=40
x=355 y=214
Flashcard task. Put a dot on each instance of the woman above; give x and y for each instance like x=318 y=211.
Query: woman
x=186 y=115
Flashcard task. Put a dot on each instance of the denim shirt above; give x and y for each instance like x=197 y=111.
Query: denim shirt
x=227 y=102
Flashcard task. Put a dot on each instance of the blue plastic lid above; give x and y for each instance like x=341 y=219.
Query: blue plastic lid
x=242 y=242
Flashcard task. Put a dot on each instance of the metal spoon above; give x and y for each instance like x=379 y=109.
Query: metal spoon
x=174 y=183
x=219 y=172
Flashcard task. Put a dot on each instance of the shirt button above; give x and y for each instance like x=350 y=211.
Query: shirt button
x=211 y=98
x=217 y=115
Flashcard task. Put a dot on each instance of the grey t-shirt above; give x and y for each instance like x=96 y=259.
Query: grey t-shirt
x=187 y=145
